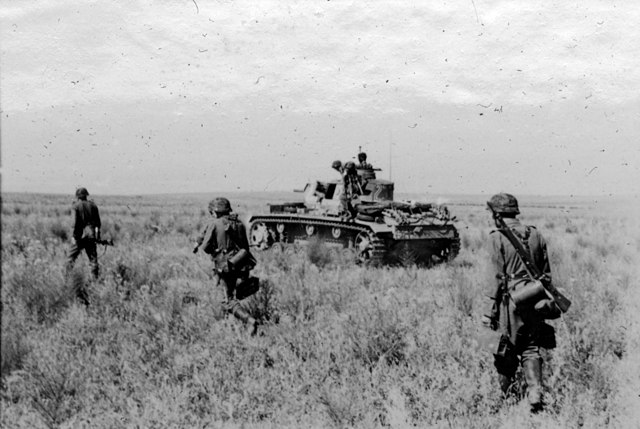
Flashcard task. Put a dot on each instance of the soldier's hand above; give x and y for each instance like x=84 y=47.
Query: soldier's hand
x=487 y=322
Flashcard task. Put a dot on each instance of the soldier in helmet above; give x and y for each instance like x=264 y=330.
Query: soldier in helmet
x=362 y=161
x=86 y=230
x=350 y=185
x=225 y=239
x=523 y=331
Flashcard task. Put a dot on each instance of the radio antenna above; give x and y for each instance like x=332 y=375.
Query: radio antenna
x=390 y=151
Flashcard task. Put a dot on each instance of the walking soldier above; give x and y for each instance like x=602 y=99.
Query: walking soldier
x=517 y=302
x=86 y=230
x=225 y=239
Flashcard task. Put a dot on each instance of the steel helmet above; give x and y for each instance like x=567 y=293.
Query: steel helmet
x=350 y=166
x=220 y=205
x=336 y=165
x=82 y=193
x=362 y=157
x=505 y=203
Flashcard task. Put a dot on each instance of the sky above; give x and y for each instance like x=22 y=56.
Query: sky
x=447 y=97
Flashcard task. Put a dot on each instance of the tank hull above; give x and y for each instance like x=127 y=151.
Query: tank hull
x=374 y=243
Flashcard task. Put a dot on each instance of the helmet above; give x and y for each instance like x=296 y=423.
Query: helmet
x=350 y=166
x=505 y=203
x=220 y=205
x=362 y=157
x=336 y=165
x=82 y=193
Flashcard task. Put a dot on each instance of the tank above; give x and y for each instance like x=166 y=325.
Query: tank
x=361 y=216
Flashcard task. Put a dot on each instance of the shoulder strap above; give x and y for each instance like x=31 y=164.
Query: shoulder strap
x=525 y=243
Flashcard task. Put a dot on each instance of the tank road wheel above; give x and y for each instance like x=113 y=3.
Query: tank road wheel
x=451 y=251
x=259 y=237
x=363 y=247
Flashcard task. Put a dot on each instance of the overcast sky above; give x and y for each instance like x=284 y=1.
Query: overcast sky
x=469 y=96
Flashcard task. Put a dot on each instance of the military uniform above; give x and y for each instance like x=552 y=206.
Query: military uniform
x=86 y=230
x=523 y=329
x=224 y=238
x=351 y=187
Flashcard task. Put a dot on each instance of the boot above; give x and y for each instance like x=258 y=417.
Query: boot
x=243 y=315
x=252 y=326
x=532 y=369
x=505 y=383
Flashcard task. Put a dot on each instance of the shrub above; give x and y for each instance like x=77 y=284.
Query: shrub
x=14 y=346
x=59 y=230
x=318 y=253
x=376 y=334
x=43 y=292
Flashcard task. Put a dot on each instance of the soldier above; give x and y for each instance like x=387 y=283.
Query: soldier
x=225 y=239
x=362 y=161
x=351 y=188
x=523 y=330
x=86 y=230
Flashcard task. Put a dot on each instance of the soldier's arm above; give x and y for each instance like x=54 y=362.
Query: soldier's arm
x=76 y=228
x=209 y=242
x=96 y=221
x=200 y=239
x=493 y=289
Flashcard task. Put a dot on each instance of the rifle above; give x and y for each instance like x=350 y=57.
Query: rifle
x=561 y=301
x=105 y=242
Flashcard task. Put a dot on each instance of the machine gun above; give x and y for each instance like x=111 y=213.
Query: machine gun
x=561 y=301
x=105 y=242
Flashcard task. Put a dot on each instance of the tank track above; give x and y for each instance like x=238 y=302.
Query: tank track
x=454 y=249
x=378 y=251
x=375 y=253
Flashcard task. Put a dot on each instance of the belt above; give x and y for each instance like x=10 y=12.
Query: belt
x=512 y=276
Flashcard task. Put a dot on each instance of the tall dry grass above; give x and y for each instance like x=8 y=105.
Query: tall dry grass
x=340 y=345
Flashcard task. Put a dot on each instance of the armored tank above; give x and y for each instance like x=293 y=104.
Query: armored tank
x=358 y=213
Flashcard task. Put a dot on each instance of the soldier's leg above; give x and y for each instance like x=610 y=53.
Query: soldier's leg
x=506 y=362
x=74 y=250
x=232 y=305
x=532 y=369
x=92 y=254
x=222 y=280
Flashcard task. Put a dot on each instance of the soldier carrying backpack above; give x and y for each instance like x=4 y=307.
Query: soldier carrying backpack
x=225 y=239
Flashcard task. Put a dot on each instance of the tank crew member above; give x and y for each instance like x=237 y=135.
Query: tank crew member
x=523 y=331
x=362 y=161
x=225 y=239
x=350 y=185
x=86 y=230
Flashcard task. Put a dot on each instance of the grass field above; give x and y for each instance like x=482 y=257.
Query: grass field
x=340 y=345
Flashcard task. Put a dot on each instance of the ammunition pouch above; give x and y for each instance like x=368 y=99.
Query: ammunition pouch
x=247 y=287
x=547 y=309
x=528 y=295
x=241 y=260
